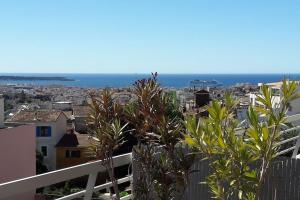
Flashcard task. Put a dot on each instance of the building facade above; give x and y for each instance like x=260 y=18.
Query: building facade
x=50 y=126
x=72 y=149
x=17 y=156
x=277 y=96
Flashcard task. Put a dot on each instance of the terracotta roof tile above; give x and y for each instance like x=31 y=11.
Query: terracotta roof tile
x=81 y=111
x=33 y=116
x=69 y=114
x=83 y=140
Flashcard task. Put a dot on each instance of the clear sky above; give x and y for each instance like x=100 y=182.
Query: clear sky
x=142 y=36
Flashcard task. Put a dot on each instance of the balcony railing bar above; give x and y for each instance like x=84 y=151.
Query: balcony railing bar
x=97 y=188
x=286 y=150
x=32 y=183
x=290 y=130
x=287 y=140
x=293 y=118
x=128 y=197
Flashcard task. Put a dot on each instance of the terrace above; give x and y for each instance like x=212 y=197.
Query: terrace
x=289 y=167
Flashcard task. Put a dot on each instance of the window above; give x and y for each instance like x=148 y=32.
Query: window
x=44 y=150
x=75 y=154
x=67 y=153
x=72 y=154
x=43 y=131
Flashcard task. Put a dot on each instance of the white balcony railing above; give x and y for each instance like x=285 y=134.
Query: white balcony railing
x=92 y=169
x=294 y=138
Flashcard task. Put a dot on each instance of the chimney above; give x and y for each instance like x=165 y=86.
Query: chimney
x=35 y=115
x=1 y=111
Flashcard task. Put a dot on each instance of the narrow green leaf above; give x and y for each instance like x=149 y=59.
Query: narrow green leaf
x=265 y=133
x=190 y=141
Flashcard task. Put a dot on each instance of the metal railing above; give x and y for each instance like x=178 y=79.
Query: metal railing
x=92 y=169
x=295 y=138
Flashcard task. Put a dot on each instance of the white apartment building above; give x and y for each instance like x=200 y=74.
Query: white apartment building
x=186 y=99
x=276 y=98
x=50 y=126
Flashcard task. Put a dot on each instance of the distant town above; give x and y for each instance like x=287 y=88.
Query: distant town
x=56 y=97
x=73 y=101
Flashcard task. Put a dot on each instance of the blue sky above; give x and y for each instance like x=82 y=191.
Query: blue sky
x=168 y=36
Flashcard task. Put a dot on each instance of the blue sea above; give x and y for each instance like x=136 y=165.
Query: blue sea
x=166 y=80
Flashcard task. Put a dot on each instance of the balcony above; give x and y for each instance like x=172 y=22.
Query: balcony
x=284 y=168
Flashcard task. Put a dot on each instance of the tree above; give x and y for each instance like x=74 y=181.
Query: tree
x=233 y=156
x=107 y=132
x=40 y=167
x=164 y=163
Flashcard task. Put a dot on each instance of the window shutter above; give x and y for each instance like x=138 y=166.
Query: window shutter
x=38 y=131
x=49 y=131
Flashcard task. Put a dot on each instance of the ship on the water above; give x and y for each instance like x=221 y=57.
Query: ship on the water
x=205 y=83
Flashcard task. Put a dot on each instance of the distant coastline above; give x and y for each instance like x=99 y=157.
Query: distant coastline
x=34 y=78
x=127 y=80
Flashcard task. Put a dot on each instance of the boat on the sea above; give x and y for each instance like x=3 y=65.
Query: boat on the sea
x=205 y=83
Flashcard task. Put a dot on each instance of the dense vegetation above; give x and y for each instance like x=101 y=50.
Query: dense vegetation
x=168 y=144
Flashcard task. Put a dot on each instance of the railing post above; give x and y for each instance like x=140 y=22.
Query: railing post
x=107 y=188
x=90 y=186
x=131 y=186
x=297 y=146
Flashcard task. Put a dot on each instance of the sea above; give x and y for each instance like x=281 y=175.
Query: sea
x=166 y=80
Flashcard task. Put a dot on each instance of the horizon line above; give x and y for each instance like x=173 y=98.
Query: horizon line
x=144 y=73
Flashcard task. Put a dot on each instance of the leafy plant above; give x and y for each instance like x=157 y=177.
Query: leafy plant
x=123 y=194
x=158 y=128
x=107 y=132
x=40 y=167
x=239 y=163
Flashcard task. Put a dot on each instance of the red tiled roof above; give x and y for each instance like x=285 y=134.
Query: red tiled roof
x=81 y=111
x=39 y=115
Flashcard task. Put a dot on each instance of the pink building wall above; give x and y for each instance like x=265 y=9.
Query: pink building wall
x=17 y=156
